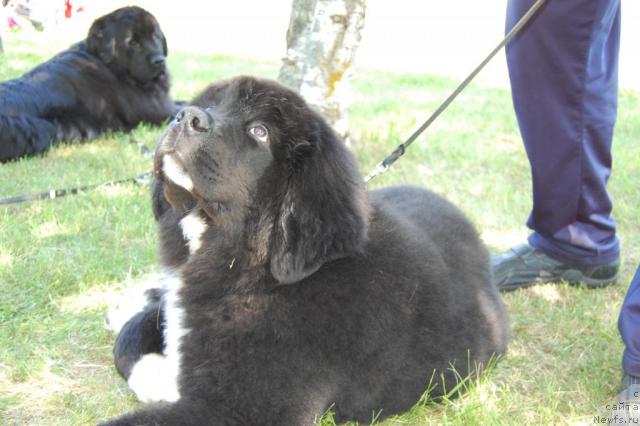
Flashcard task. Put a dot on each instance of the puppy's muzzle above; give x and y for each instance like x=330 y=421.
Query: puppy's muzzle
x=180 y=141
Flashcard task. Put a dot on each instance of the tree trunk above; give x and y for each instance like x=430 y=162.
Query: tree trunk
x=322 y=40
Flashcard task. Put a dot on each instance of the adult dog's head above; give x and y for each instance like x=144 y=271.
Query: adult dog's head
x=130 y=41
x=263 y=167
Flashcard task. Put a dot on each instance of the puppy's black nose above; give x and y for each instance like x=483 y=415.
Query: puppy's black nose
x=195 y=118
x=157 y=60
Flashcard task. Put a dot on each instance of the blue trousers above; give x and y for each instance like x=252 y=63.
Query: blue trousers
x=563 y=69
x=629 y=326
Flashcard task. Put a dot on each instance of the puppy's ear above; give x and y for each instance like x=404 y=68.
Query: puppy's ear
x=324 y=213
x=101 y=41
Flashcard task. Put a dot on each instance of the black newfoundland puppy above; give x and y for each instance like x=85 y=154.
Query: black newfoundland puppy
x=113 y=80
x=292 y=290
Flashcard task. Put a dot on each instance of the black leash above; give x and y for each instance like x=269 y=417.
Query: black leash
x=401 y=149
x=143 y=179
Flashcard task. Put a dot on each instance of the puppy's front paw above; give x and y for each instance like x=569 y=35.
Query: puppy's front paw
x=153 y=379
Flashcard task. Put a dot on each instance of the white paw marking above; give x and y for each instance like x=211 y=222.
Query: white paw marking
x=193 y=226
x=152 y=379
x=176 y=173
x=132 y=301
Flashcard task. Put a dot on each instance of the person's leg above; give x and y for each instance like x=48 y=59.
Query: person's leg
x=563 y=72
x=629 y=326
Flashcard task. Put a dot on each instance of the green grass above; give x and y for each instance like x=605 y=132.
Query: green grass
x=62 y=261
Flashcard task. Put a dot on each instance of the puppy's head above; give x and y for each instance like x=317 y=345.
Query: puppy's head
x=254 y=147
x=130 y=40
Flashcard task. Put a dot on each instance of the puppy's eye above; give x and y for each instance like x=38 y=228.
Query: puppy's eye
x=133 y=42
x=259 y=133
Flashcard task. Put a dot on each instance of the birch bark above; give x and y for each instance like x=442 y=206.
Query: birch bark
x=322 y=40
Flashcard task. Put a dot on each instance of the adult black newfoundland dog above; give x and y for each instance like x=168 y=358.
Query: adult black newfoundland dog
x=113 y=80
x=293 y=290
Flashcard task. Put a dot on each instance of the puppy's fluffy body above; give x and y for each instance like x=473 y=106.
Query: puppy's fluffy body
x=305 y=292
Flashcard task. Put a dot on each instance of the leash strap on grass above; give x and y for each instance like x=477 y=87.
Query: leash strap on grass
x=400 y=150
x=142 y=179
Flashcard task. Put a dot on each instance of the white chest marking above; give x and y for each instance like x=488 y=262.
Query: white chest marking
x=176 y=173
x=193 y=226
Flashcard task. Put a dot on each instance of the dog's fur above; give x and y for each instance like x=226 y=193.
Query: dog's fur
x=113 y=80
x=294 y=290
